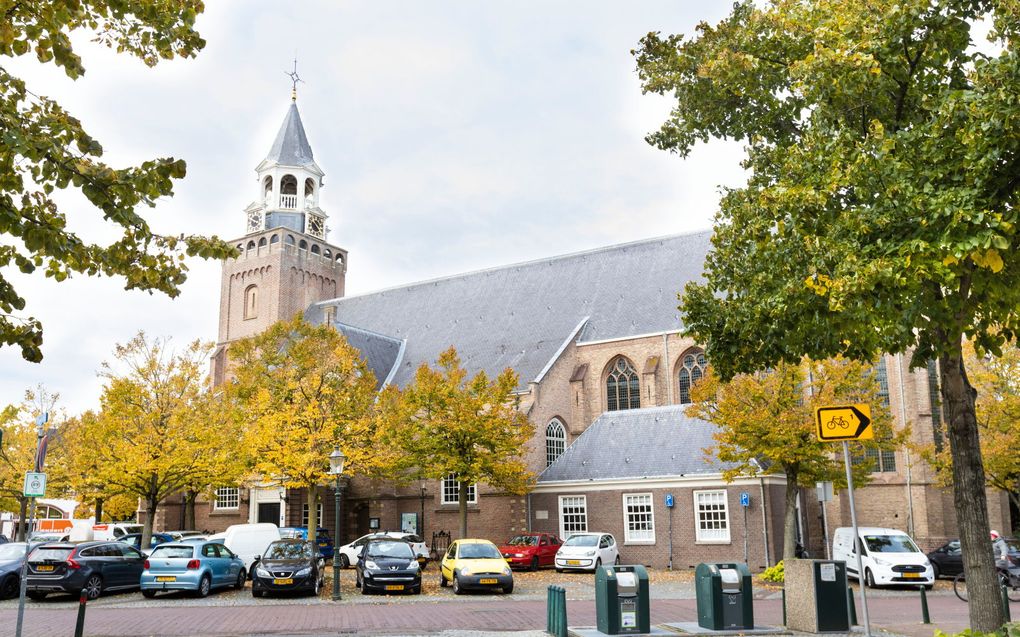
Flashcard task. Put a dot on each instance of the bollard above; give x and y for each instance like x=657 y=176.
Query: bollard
x=1005 y=603
x=925 y=617
x=784 y=606
x=556 y=611
x=79 y=626
x=851 y=606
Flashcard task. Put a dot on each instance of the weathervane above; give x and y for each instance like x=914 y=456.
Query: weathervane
x=294 y=79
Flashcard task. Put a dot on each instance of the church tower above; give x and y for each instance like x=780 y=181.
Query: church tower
x=285 y=262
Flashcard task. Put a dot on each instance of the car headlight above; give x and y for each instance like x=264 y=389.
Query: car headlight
x=465 y=571
x=880 y=562
x=506 y=570
x=261 y=572
x=590 y=553
x=413 y=565
x=518 y=554
x=369 y=564
x=304 y=572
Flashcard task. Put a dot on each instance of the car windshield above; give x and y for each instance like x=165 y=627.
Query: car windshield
x=390 y=549
x=523 y=540
x=291 y=534
x=582 y=540
x=12 y=551
x=173 y=551
x=890 y=544
x=479 y=552
x=58 y=554
x=288 y=551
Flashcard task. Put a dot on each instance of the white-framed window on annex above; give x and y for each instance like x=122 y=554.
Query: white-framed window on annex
x=450 y=491
x=304 y=514
x=638 y=518
x=227 y=498
x=712 y=516
x=573 y=515
x=555 y=441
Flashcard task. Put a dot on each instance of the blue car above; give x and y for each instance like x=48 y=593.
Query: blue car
x=322 y=538
x=12 y=556
x=135 y=540
x=193 y=566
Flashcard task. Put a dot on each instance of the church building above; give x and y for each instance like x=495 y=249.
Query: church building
x=605 y=374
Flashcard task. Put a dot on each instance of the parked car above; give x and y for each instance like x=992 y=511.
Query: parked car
x=388 y=565
x=288 y=566
x=947 y=560
x=135 y=540
x=248 y=541
x=93 y=567
x=587 y=552
x=114 y=530
x=350 y=552
x=183 y=535
x=532 y=550
x=12 y=556
x=198 y=567
x=49 y=536
x=322 y=538
x=475 y=564
x=888 y=557
x=3 y=539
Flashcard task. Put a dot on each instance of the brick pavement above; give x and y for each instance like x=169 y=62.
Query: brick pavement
x=895 y=614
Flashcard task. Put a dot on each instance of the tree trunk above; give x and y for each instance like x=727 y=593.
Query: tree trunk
x=99 y=510
x=790 y=517
x=151 y=505
x=313 y=511
x=462 y=495
x=189 y=509
x=971 y=502
x=22 y=515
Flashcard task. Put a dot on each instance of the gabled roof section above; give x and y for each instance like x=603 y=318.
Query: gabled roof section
x=381 y=352
x=291 y=147
x=520 y=315
x=655 y=442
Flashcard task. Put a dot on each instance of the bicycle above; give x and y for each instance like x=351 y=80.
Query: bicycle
x=1011 y=583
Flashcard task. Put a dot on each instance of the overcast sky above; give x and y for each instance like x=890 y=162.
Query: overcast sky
x=454 y=136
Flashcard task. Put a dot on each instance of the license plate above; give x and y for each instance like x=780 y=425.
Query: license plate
x=166 y=578
x=43 y=568
x=912 y=575
x=395 y=587
x=488 y=580
x=281 y=581
x=574 y=562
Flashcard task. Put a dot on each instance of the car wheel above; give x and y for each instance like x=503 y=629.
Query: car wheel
x=508 y=589
x=344 y=562
x=442 y=579
x=239 y=584
x=357 y=582
x=457 y=588
x=9 y=588
x=869 y=579
x=36 y=595
x=318 y=586
x=148 y=593
x=534 y=563
x=598 y=563
x=203 y=587
x=255 y=592
x=93 y=586
x=416 y=590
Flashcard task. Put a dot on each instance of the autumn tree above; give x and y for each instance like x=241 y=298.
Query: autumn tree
x=46 y=149
x=73 y=460
x=150 y=438
x=997 y=381
x=445 y=423
x=766 y=421
x=299 y=391
x=880 y=210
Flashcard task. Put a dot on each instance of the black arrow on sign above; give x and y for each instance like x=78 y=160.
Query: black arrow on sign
x=865 y=421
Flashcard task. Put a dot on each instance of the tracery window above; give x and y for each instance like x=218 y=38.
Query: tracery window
x=622 y=388
x=555 y=441
x=692 y=369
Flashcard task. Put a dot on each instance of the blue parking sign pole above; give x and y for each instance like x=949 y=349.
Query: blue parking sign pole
x=669 y=505
x=745 y=504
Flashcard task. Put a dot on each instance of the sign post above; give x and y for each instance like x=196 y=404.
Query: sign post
x=745 y=504
x=824 y=495
x=842 y=423
x=669 y=505
x=34 y=487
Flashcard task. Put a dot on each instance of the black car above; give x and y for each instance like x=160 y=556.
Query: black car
x=288 y=566
x=947 y=560
x=388 y=565
x=12 y=556
x=93 y=567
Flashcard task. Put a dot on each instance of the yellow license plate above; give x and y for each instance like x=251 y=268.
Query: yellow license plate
x=395 y=587
x=488 y=580
x=912 y=575
x=281 y=581
x=574 y=562
x=166 y=578
x=43 y=568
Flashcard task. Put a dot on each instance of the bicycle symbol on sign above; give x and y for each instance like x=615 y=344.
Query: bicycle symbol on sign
x=837 y=421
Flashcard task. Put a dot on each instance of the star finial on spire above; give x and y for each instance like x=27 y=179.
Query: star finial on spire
x=294 y=79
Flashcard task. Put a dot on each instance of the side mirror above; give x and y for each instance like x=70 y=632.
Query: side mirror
x=256 y=559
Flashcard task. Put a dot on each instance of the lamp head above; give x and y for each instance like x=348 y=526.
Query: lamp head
x=336 y=462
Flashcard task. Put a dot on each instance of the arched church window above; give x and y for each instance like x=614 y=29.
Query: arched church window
x=315 y=249
x=290 y=239
x=251 y=245
x=328 y=253
x=692 y=369
x=262 y=242
x=555 y=441
x=340 y=258
x=251 y=300
x=309 y=193
x=274 y=239
x=288 y=192
x=622 y=388
x=303 y=245
x=267 y=190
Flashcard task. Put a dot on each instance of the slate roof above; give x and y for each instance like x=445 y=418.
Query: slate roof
x=521 y=315
x=291 y=146
x=654 y=442
x=380 y=351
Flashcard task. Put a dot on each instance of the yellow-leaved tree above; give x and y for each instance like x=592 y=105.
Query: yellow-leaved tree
x=766 y=421
x=446 y=423
x=299 y=391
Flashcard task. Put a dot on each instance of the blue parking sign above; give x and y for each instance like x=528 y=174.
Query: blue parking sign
x=745 y=499
x=669 y=500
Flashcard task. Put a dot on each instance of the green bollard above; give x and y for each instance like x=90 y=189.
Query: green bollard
x=1005 y=603
x=925 y=617
x=79 y=626
x=851 y=605
x=784 y=606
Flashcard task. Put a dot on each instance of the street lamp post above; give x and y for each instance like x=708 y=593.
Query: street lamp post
x=421 y=520
x=336 y=469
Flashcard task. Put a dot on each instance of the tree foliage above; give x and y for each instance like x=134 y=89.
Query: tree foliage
x=766 y=422
x=880 y=212
x=299 y=391
x=446 y=423
x=20 y=441
x=45 y=149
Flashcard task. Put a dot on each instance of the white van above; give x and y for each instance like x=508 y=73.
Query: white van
x=114 y=530
x=889 y=557
x=248 y=540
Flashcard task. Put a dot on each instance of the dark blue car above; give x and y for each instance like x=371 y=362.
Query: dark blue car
x=12 y=556
x=322 y=538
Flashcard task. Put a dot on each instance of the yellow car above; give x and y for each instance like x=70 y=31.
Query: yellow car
x=475 y=564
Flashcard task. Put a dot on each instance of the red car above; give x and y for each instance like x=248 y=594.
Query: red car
x=531 y=550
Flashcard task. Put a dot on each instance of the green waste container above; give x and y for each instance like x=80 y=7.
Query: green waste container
x=724 y=596
x=621 y=600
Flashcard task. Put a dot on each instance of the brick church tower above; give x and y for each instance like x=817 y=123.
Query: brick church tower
x=286 y=263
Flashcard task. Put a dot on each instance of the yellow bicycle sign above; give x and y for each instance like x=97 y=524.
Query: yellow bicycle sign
x=844 y=422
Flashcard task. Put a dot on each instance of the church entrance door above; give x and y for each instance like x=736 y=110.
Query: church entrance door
x=269 y=512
